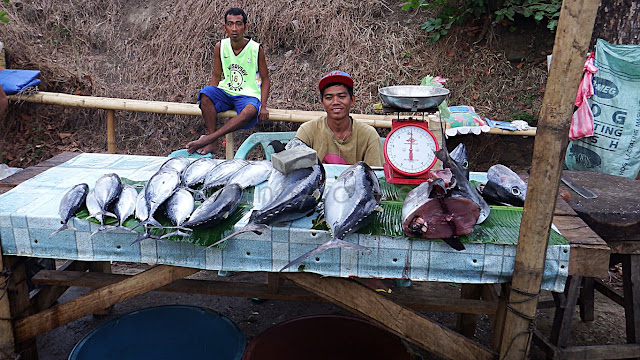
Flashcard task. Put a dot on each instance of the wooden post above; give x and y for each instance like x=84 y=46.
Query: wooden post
x=569 y=53
x=111 y=131
x=7 y=339
x=228 y=150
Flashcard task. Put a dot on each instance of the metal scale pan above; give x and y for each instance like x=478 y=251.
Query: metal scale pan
x=412 y=97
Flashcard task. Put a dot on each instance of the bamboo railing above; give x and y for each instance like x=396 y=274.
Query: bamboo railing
x=173 y=108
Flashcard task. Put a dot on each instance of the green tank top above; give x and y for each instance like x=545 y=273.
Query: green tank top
x=241 y=76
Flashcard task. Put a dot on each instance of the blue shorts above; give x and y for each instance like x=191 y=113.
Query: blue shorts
x=223 y=101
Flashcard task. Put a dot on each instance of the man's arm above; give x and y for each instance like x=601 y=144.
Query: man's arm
x=265 y=86
x=216 y=76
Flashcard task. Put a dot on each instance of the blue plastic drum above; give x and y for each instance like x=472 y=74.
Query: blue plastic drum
x=164 y=332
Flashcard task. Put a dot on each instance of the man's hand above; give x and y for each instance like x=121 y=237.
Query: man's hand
x=264 y=114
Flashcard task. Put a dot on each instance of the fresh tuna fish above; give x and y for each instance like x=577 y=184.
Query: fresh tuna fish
x=177 y=163
x=142 y=213
x=158 y=189
x=125 y=205
x=428 y=214
x=178 y=208
x=106 y=191
x=253 y=174
x=72 y=200
x=504 y=186
x=462 y=188
x=94 y=208
x=196 y=172
x=349 y=206
x=300 y=194
x=217 y=207
x=219 y=175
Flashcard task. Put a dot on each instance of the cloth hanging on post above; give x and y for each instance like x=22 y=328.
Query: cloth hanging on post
x=582 y=119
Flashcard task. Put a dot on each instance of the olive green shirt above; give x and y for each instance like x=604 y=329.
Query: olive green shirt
x=363 y=144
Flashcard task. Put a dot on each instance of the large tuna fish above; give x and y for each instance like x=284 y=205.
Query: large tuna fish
x=299 y=194
x=178 y=208
x=72 y=200
x=217 y=207
x=428 y=214
x=349 y=206
x=253 y=174
x=504 y=186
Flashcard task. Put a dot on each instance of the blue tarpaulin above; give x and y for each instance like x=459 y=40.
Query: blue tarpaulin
x=15 y=80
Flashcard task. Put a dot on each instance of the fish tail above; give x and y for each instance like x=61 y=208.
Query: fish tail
x=331 y=244
x=150 y=221
x=175 y=233
x=144 y=236
x=455 y=243
x=256 y=228
x=64 y=227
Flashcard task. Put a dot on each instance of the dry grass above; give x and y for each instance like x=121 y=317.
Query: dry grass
x=162 y=50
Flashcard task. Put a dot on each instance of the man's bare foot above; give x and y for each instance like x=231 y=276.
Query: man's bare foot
x=209 y=148
x=193 y=146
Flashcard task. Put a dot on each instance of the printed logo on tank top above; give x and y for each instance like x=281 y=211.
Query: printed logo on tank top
x=237 y=74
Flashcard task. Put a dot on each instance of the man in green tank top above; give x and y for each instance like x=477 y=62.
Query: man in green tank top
x=244 y=87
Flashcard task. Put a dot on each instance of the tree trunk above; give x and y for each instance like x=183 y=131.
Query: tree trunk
x=617 y=22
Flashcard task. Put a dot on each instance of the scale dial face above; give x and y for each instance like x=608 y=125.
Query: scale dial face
x=410 y=149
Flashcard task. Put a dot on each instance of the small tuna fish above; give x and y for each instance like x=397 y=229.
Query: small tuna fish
x=196 y=172
x=300 y=193
x=177 y=163
x=72 y=200
x=178 y=208
x=106 y=191
x=142 y=213
x=253 y=174
x=504 y=186
x=94 y=208
x=125 y=206
x=158 y=189
x=217 y=207
x=348 y=207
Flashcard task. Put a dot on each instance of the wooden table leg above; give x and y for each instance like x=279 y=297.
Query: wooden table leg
x=565 y=306
x=14 y=303
x=631 y=285
x=501 y=313
x=466 y=323
x=587 y=299
x=103 y=267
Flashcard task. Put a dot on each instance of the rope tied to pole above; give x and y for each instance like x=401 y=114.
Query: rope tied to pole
x=531 y=327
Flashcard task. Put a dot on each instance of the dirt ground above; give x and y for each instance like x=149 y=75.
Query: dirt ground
x=253 y=317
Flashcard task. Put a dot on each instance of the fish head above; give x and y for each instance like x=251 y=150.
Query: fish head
x=504 y=186
x=459 y=156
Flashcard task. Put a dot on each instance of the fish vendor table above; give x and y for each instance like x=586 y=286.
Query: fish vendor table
x=28 y=214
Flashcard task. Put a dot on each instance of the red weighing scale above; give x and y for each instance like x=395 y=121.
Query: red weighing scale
x=409 y=149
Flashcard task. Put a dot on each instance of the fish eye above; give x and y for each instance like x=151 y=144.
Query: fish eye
x=465 y=164
x=515 y=191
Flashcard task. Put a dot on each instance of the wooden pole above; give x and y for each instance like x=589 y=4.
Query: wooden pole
x=228 y=150
x=111 y=131
x=569 y=52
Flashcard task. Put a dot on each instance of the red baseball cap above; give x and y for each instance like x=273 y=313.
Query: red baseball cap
x=336 y=76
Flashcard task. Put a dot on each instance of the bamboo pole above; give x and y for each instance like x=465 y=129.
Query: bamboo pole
x=228 y=149
x=572 y=40
x=111 y=131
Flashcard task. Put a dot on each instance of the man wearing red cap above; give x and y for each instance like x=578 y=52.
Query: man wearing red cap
x=244 y=87
x=336 y=136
